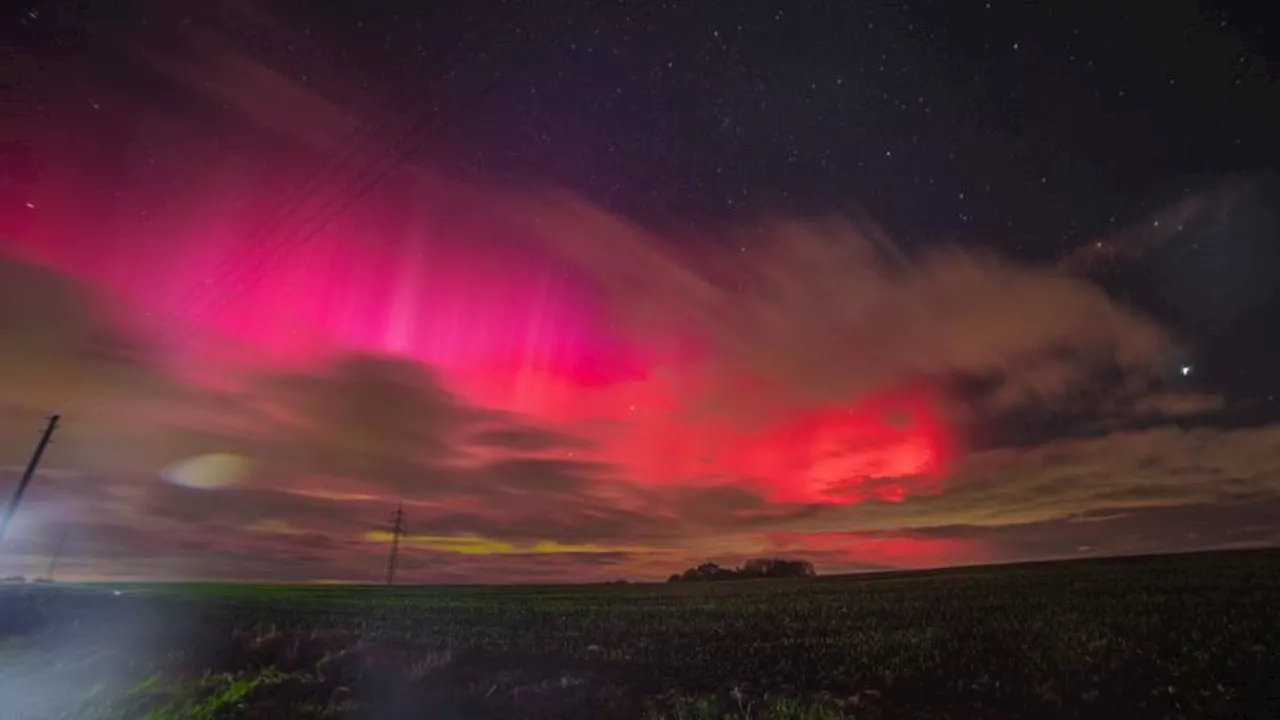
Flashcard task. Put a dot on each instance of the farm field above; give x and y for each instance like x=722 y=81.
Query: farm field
x=1161 y=637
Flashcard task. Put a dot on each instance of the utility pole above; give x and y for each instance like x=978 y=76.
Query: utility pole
x=397 y=529
x=27 y=475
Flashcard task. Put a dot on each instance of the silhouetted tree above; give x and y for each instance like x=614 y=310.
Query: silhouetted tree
x=777 y=568
x=755 y=568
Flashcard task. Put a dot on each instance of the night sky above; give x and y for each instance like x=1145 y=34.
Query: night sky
x=606 y=289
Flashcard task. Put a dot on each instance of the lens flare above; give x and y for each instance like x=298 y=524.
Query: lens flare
x=207 y=472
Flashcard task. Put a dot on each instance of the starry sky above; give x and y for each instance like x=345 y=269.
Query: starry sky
x=602 y=290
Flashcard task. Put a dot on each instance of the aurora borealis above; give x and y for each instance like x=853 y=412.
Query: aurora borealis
x=556 y=385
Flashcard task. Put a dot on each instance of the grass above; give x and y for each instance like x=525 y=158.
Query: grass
x=215 y=696
x=1178 y=636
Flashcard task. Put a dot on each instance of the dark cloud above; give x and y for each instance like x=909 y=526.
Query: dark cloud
x=386 y=421
x=585 y=509
x=69 y=350
x=1124 y=472
x=61 y=343
x=247 y=507
x=535 y=476
x=1138 y=492
x=207 y=64
x=519 y=508
x=54 y=324
x=1202 y=526
x=526 y=438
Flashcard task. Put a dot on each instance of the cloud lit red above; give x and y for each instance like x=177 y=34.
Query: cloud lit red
x=522 y=369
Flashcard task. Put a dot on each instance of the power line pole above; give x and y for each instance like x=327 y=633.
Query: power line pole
x=29 y=473
x=397 y=529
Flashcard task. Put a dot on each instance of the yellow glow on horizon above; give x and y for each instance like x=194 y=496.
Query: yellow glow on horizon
x=478 y=545
x=278 y=527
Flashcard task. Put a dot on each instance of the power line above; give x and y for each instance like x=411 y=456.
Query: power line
x=399 y=150
x=354 y=145
x=366 y=181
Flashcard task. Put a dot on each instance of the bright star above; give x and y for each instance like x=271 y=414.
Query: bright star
x=1186 y=370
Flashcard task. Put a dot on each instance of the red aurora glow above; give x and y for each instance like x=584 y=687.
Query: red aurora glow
x=885 y=447
x=426 y=270
x=515 y=337
x=581 y=324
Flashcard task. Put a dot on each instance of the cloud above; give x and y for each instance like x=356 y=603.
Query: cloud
x=60 y=338
x=753 y=365
x=71 y=350
x=1135 y=491
x=208 y=64
x=385 y=420
x=1253 y=522
x=1119 y=473
x=1155 y=490
x=814 y=317
x=827 y=309
x=525 y=438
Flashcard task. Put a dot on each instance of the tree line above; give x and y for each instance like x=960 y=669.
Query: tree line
x=750 y=570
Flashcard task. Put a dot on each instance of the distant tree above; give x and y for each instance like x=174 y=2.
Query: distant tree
x=706 y=571
x=13 y=579
x=777 y=568
x=755 y=568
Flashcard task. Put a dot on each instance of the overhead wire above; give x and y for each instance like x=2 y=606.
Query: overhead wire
x=393 y=155
x=406 y=145
x=363 y=139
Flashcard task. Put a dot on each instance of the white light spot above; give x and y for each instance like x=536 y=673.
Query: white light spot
x=207 y=472
x=1186 y=370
